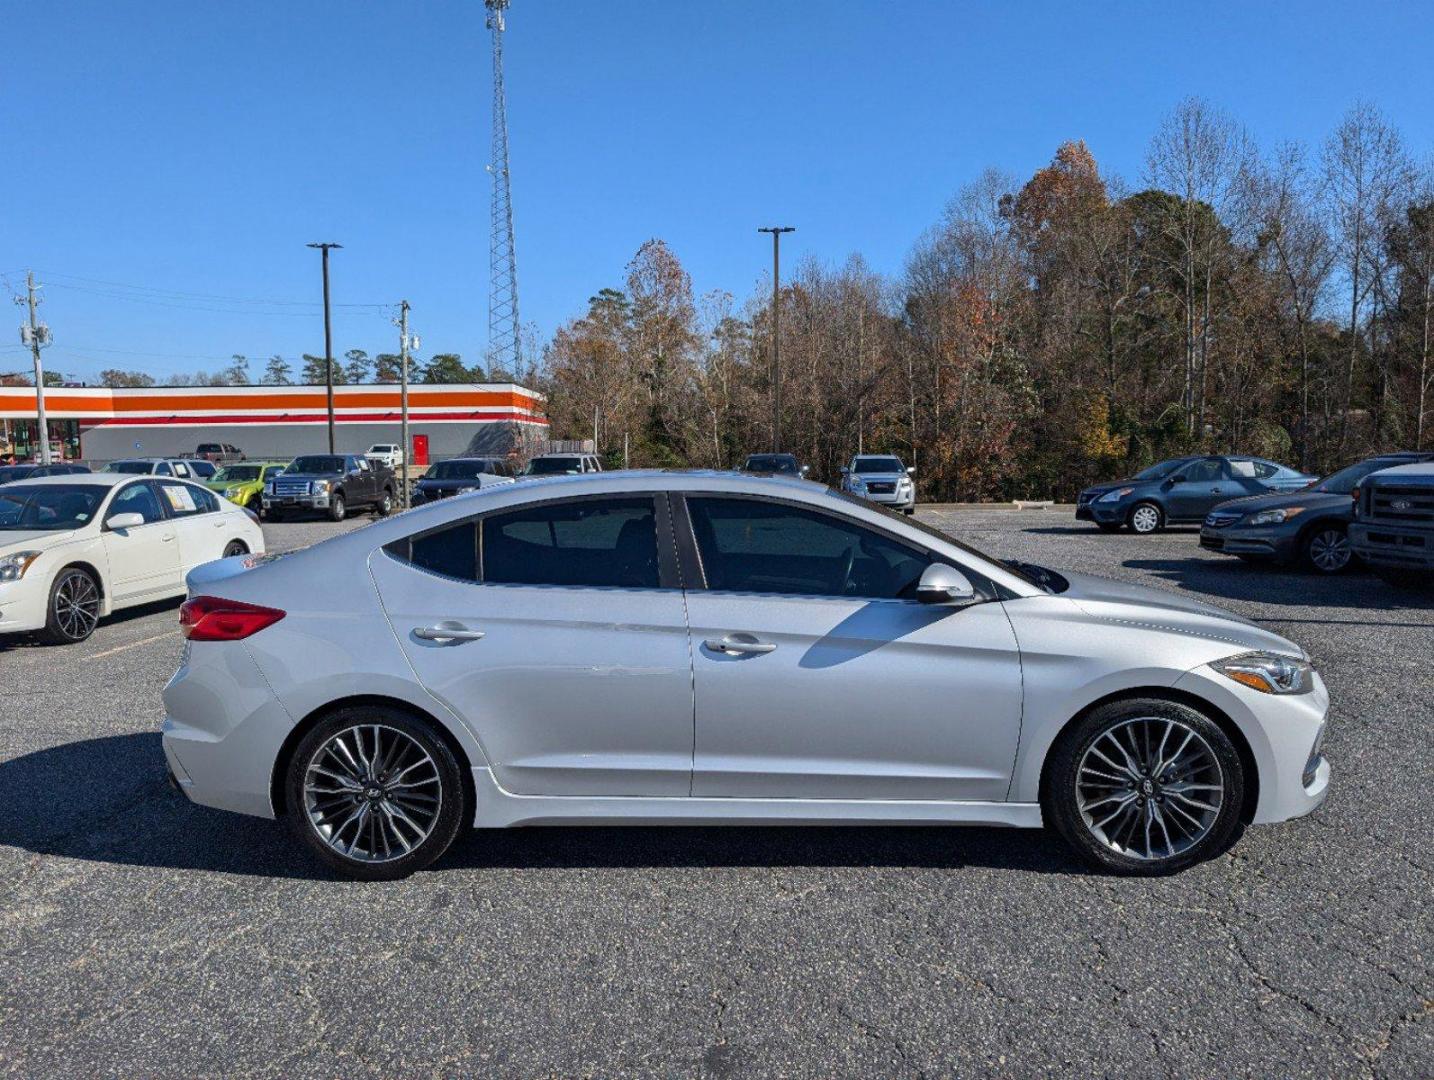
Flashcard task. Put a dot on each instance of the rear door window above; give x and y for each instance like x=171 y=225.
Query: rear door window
x=580 y=542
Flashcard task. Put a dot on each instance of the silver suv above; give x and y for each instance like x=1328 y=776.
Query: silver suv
x=563 y=465
x=881 y=478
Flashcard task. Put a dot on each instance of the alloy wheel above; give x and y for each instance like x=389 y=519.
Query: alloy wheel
x=372 y=793
x=77 y=605
x=1329 y=550
x=233 y=548
x=1145 y=518
x=1150 y=788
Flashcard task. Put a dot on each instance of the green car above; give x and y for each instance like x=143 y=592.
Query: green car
x=241 y=483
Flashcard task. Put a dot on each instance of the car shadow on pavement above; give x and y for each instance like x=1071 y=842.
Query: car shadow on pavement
x=107 y=800
x=156 y=607
x=1281 y=588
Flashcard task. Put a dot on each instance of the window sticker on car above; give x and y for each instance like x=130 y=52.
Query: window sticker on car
x=179 y=498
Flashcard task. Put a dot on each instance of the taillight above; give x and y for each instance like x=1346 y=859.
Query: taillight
x=211 y=618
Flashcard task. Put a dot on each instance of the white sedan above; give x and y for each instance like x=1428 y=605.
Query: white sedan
x=73 y=549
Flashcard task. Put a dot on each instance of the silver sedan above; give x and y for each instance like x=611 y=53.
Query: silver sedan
x=714 y=648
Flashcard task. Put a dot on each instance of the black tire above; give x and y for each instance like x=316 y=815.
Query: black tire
x=1061 y=798
x=72 y=587
x=1108 y=526
x=452 y=812
x=337 y=509
x=1325 y=549
x=384 y=506
x=235 y=547
x=1137 y=519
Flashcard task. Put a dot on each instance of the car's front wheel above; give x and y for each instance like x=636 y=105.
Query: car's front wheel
x=1145 y=518
x=337 y=509
x=1327 y=549
x=385 y=503
x=74 y=609
x=1145 y=787
x=375 y=793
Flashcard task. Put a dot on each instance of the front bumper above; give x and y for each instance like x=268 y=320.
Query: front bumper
x=23 y=602
x=901 y=500
x=1260 y=541
x=1393 y=545
x=296 y=502
x=1102 y=513
x=1285 y=734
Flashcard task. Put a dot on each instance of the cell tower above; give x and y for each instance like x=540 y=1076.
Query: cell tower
x=503 y=326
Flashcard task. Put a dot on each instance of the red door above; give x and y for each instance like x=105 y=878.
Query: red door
x=420 y=449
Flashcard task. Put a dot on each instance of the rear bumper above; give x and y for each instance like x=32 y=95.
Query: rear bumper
x=1393 y=545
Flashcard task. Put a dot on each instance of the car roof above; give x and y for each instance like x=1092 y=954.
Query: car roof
x=80 y=479
x=1417 y=468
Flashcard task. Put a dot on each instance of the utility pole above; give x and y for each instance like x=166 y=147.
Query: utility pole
x=776 y=231
x=328 y=340
x=403 y=390
x=37 y=336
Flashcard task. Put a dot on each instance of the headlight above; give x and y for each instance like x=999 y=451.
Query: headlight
x=1116 y=495
x=1273 y=517
x=229 y=493
x=14 y=565
x=857 y=483
x=269 y=488
x=318 y=487
x=1269 y=673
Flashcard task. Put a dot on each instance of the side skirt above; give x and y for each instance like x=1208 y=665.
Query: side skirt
x=500 y=809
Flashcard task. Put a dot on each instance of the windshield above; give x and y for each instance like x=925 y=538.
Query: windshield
x=49 y=507
x=317 y=464
x=456 y=470
x=774 y=463
x=15 y=472
x=878 y=465
x=237 y=474
x=1342 y=482
x=130 y=467
x=1160 y=471
x=551 y=466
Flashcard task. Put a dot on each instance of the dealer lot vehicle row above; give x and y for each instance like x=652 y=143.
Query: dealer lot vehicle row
x=681 y=647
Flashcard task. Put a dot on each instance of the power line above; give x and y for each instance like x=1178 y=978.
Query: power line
x=179 y=294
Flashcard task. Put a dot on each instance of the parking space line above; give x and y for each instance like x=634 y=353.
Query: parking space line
x=133 y=645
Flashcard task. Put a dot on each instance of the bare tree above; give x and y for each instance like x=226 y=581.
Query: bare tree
x=1365 y=168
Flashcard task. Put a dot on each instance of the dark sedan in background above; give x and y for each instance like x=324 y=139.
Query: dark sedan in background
x=1183 y=489
x=461 y=474
x=1309 y=526
x=9 y=473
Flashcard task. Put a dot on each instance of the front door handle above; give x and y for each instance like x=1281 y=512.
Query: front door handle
x=447 y=633
x=740 y=645
x=167 y=539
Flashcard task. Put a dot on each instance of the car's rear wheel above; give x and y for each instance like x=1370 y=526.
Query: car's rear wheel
x=235 y=547
x=1145 y=518
x=375 y=793
x=1145 y=787
x=74 y=609
x=1327 y=550
x=385 y=504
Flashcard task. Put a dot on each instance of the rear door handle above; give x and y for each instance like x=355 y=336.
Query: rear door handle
x=447 y=633
x=167 y=539
x=740 y=645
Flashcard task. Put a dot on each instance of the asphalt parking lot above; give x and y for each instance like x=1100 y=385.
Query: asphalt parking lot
x=142 y=935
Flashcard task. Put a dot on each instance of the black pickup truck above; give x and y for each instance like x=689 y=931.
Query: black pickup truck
x=331 y=484
x=1393 y=529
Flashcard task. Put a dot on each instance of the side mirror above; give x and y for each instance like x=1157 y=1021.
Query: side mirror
x=911 y=470
x=806 y=469
x=942 y=584
x=1174 y=480
x=124 y=521
x=845 y=471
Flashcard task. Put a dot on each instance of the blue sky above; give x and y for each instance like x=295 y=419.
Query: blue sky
x=195 y=148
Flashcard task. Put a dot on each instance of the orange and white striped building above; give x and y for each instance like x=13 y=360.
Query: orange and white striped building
x=102 y=424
